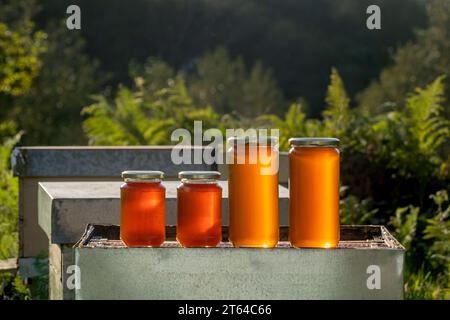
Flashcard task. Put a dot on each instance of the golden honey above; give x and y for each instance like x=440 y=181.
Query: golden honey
x=253 y=193
x=314 y=192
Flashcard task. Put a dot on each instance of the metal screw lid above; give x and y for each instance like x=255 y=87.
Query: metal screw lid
x=319 y=142
x=199 y=175
x=142 y=175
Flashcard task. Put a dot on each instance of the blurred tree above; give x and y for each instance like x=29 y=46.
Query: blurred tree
x=299 y=40
x=9 y=136
x=225 y=84
x=45 y=78
x=153 y=76
x=20 y=49
x=415 y=64
x=49 y=112
x=260 y=93
x=219 y=81
x=337 y=114
x=19 y=58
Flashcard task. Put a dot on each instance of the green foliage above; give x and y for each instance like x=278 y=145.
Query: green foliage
x=411 y=140
x=8 y=193
x=153 y=76
x=421 y=286
x=405 y=223
x=224 y=83
x=427 y=242
x=260 y=93
x=19 y=58
x=403 y=145
x=438 y=230
x=415 y=64
x=140 y=118
x=50 y=111
x=354 y=211
x=336 y=121
x=337 y=114
x=13 y=288
x=427 y=129
x=218 y=81
x=293 y=124
x=39 y=284
x=121 y=123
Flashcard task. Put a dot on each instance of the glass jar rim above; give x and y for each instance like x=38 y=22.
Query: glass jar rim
x=315 y=141
x=142 y=176
x=269 y=140
x=199 y=175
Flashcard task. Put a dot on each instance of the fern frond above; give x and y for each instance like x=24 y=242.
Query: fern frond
x=337 y=113
x=428 y=129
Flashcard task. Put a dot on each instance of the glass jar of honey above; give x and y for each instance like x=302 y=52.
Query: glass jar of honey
x=253 y=191
x=142 y=210
x=314 y=192
x=199 y=209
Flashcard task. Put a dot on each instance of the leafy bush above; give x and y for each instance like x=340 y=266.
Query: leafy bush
x=13 y=288
x=352 y=210
x=19 y=57
x=438 y=231
x=139 y=118
x=8 y=193
x=421 y=286
x=425 y=235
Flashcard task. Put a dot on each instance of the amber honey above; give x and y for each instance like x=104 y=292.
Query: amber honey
x=142 y=211
x=199 y=209
x=253 y=193
x=314 y=192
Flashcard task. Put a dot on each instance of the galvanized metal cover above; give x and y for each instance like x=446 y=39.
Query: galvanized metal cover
x=367 y=265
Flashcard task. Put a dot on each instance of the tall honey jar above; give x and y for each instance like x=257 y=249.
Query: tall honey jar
x=253 y=191
x=314 y=192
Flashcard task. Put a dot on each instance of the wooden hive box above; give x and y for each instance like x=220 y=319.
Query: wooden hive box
x=367 y=265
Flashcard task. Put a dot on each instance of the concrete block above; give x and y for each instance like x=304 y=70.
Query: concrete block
x=95 y=161
x=65 y=208
x=39 y=164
